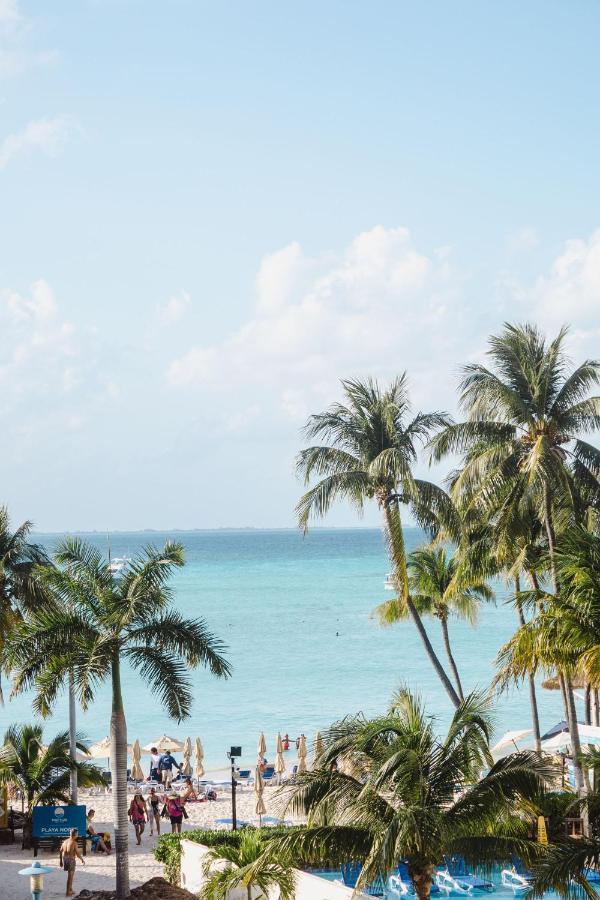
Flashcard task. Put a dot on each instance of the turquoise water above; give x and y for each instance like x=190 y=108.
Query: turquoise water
x=295 y=614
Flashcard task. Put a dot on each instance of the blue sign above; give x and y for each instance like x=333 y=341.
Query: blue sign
x=57 y=821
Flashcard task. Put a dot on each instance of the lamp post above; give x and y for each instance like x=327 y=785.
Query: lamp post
x=36 y=872
x=233 y=753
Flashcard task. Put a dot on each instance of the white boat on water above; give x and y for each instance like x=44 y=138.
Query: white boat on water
x=389 y=583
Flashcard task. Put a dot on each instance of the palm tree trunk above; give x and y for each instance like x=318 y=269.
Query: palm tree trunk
x=450 y=655
x=571 y=712
x=396 y=542
x=73 y=735
x=588 y=704
x=118 y=762
x=422 y=882
x=535 y=717
x=596 y=708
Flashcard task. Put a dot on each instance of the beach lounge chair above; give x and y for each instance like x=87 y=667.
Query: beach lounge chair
x=517 y=877
x=269 y=774
x=244 y=777
x=456 y=879
x=350 y=875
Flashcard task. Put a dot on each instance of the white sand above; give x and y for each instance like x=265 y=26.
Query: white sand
x=98 y=873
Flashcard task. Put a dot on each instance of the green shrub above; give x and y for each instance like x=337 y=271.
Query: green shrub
x=168 y=846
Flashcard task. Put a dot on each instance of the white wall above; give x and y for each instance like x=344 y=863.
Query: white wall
x=308 y=887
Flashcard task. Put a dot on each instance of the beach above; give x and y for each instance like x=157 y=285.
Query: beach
x=99 y=870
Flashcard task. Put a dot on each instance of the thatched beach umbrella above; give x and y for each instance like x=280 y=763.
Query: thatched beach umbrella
x=186 y=768
x=259 y=787
x=279 y=760
x=136 y=770
x=318 y=747
x=262 y=748
x=553 y=684
x=302 y=755
x=199 y=756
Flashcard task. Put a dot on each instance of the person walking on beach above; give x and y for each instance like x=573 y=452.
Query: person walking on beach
x=138 y=814
x=154 y=815
x=68 y=856
x=176 y=812
x=165 y=765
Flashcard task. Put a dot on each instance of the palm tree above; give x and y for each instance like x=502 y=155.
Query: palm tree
x=438 y=589
x=19 y=589
x=369 y=454
x=521 y=439
x=41 y=773
x=97 y=623
x=248 y=868
x=391 y=789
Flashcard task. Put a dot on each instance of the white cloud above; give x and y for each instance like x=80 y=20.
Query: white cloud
x=570 y=293
x=175 y=308
x=48 y=135
x=370 y=309
x=16 y=34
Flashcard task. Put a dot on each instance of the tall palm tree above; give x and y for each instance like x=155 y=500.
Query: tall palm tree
x=521 y=439
x=439 y=589
x=391 y=789
x=42 y=773
x=369 y=453
x=247 y=867
x=96 y=624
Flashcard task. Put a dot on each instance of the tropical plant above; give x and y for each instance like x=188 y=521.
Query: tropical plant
x=369 y=454
x=439 y=589
x=19 y=589
x=390 y=789
x=247 y=867
x=41 y=773
x=98 y=622
x=521 y=440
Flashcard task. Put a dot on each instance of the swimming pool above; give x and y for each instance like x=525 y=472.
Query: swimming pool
x=499 y=889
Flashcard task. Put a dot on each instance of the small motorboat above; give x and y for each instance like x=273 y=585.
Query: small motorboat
x=389 y=583
x=116 y=565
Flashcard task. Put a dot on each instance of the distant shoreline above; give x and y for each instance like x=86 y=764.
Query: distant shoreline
x=224 y=529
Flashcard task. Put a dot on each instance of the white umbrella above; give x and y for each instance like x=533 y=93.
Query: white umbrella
x=262 y=747
x=186 y=768
x=136 y=771
x=302 y=755
x=164 y=742
x=259 y=787
x=560 y=740
x=279 y=760
x=101 y=750
x=511 y=737
x=199 y=768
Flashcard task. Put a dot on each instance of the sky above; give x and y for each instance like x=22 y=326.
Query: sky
x=210 y=213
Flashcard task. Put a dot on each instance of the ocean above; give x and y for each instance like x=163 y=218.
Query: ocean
x=295 y=613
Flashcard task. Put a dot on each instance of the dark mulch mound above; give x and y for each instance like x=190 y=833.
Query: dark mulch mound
x=155 y=889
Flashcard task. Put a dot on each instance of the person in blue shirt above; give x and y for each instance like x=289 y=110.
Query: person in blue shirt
x=165 y=765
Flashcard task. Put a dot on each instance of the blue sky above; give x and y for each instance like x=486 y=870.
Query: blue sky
x=210 y=212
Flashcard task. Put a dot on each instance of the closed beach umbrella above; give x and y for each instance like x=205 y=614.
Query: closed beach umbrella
x=199 y=754
x=262 y=747
x=259 y=787
x=279 y=760
x=136 y=771
x=164 y=742
x=186 y=768
x=302 y=755
x=318 y=745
